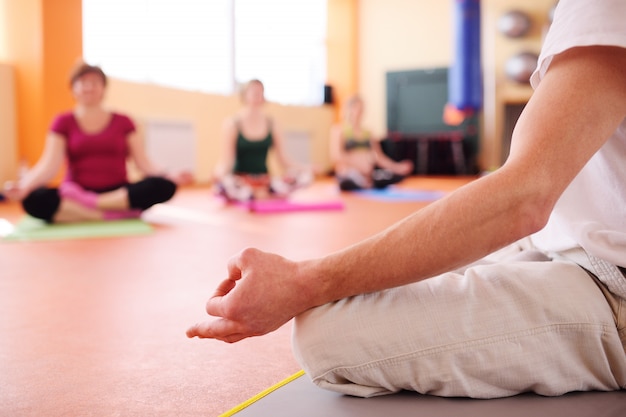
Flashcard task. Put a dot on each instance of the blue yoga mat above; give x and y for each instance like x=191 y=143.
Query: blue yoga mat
x=400 y=194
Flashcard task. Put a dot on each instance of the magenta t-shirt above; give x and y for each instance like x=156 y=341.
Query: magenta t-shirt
x=96 y=161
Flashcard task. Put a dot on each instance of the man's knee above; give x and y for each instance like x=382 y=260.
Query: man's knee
x=331 y=358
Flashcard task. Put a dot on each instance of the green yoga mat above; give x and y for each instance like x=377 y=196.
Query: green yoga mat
x=30 y=228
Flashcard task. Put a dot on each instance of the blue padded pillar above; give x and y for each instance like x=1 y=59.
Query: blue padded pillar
x=465 y=87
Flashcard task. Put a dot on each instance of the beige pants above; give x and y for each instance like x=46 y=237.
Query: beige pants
x=513 y=323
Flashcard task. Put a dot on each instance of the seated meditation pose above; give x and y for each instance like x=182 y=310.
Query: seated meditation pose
x=514 y=282
x=242 y=173
x=358 y=158
x=95 y=144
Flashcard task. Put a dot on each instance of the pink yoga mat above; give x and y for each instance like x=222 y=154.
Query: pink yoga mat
x=281 y=206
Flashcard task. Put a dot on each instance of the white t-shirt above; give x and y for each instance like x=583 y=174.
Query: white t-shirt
x=591 y=213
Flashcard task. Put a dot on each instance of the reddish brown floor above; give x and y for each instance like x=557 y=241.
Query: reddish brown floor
x=96 y=327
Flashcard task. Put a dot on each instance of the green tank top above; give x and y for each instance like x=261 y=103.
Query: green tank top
x=351 y=142
x=251 y=155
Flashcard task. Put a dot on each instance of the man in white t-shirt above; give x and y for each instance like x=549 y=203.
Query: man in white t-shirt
x=588 y=223
x=413 y=308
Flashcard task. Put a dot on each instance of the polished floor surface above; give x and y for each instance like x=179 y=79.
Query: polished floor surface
x=96 y=327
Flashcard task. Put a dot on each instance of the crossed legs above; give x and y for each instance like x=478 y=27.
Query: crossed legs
x=70 y=202
x=494 y=329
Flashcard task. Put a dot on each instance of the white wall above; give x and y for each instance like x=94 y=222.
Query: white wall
x=207 y=113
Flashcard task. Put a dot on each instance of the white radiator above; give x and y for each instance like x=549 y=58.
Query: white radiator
x=298 y=145
x=171 y=144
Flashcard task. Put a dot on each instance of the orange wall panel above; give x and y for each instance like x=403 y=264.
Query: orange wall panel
x=23 y=42
x=342 y=50
x=63 y=45
x=43 y=40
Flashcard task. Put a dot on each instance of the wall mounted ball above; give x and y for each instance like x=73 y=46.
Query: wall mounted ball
x=520 y=67
x=514 y=24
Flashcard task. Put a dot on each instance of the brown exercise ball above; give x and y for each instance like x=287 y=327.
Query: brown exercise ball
x=514 y=24
x=520 y=67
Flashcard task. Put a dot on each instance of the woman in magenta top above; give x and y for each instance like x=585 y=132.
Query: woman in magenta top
x=95 y=143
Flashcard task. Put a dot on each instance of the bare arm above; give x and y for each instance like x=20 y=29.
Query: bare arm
x=578 y=105
x=139 y=157
x=226 y=164
x=279 y=148
x=44 y=170
x=148 y=167
x=575 y=109
x=336 y=148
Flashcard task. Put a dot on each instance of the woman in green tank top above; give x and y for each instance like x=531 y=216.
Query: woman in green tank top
x=242 y=173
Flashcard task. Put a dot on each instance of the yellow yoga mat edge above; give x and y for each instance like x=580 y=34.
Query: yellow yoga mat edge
x=262 y=394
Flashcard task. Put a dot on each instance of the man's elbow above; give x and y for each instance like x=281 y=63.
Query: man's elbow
x=534 y=214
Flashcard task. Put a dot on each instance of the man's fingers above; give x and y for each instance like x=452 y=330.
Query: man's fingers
x=234 y=267
x=225 y=330
x=224 y=288
x=215 y=307
x=214 y=304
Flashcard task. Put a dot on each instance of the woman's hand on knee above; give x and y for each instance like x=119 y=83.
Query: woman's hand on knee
x=13 y=191
x=260 y=294
x=181 y=177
